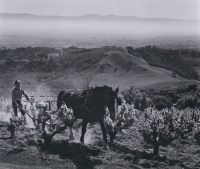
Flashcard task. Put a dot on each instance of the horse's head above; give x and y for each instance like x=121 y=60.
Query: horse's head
x=60 y=99
x=113 y=103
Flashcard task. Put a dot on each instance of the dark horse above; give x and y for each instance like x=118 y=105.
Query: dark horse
x=90 y=105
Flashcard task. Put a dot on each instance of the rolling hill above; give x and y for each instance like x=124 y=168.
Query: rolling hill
x=80 y=67
x=121 y=68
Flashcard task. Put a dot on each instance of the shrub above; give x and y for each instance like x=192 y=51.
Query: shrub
x=124 y=119
x=156 y=130
x=161 y=102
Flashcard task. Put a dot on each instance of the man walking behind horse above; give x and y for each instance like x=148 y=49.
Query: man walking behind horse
x=17 y=94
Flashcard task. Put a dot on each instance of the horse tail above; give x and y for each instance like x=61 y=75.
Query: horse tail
x=59 y=99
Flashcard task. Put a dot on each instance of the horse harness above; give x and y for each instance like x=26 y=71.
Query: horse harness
x=87 y=105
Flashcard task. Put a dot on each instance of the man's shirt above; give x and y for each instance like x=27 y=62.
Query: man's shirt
x=17 y=94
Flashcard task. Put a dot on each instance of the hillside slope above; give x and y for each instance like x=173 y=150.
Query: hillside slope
x=121 y=68
x=80 y=67
x=182 y=62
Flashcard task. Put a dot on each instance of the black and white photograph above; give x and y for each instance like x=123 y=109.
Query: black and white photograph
x=99 y=84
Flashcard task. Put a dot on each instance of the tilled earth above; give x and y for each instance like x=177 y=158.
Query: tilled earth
x=128 y=151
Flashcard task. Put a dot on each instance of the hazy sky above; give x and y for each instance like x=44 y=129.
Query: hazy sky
x=185 y=9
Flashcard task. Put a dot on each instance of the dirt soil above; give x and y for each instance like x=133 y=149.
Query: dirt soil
x=128 y=151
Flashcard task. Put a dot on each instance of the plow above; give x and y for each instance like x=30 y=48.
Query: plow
x=43 y=115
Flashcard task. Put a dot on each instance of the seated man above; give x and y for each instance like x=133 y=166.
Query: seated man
x=17 y=93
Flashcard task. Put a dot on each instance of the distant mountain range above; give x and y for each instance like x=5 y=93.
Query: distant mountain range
x=89 y=17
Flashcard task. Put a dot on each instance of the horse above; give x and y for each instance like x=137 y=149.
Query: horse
x=90 y=106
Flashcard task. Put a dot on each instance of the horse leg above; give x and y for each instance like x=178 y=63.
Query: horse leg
x=112 y=136
x=84 y=126
x=101 y=122
x=71 y=135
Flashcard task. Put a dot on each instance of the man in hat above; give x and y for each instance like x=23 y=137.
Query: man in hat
x=17 y=94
